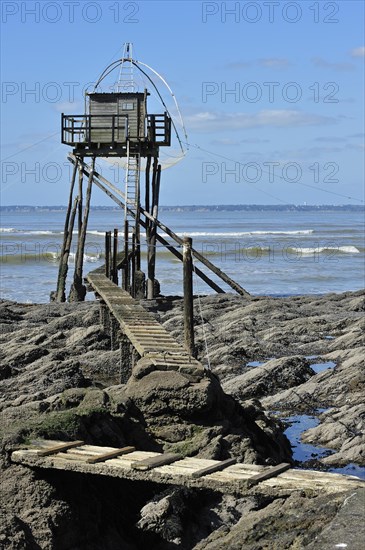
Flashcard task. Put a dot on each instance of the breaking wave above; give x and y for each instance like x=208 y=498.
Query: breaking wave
x=246 y=233
x=325 y=249
x=44 y=257
x=7 y=230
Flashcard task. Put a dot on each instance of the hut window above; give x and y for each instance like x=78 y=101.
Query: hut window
x=127 y=106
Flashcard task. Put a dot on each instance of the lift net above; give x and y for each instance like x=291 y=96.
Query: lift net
x=135 y=76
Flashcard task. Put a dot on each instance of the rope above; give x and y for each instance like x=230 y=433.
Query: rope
x=276 y=175
x=46 y=156
x=32 y=145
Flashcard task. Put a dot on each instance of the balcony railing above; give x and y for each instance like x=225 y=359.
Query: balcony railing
x=113 y=129
x=159 y=129
x=88 y=129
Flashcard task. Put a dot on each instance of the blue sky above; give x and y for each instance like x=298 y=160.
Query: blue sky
x=271 y=94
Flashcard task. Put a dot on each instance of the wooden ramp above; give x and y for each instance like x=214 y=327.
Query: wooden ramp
x=171 y=469
x=146 y=334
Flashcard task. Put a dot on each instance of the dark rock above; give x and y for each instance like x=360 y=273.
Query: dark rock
x=273 y=376
x=74 y=391
x=206 y=415
x=182 y=517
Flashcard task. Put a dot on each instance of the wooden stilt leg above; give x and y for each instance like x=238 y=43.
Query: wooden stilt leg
x=114 y=336
x=133 y=266
x=115 y=253
x=147 y=190
x=60 y=295
x=152 y=236
x=78 y=290
x=125 y=359
x=81 y=178
x=150 y=248
x=188 y=296
x=103 y=315
x=107 y=254
x=126 y=252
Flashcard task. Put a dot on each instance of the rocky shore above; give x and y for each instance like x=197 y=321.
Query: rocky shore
x=60 y=379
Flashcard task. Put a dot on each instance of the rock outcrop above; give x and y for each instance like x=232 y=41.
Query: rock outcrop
x=60 y=379
x=188 y=412
x=275 y=375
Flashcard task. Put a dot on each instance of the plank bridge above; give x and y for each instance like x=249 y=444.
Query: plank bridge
x=225 y=476
x=147 y=336
x=150 y=340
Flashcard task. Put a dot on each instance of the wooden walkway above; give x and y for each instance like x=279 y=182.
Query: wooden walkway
x=146 y=334
x=171 y=469
x=153 y=342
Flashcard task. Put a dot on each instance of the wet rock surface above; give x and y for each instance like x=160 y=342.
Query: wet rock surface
x=281 y=334
x=275 y=375
x=60 y=379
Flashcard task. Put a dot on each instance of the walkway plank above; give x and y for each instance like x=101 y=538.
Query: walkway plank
x=59 y=448
x=146 y=334
x=113 y=454
x=272 y=472
x=154 y=462
x=172 y=469
x=214 y=468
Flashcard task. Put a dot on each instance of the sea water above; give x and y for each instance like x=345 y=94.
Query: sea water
x=266 y=252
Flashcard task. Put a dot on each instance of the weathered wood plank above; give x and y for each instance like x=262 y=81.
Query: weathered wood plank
x=149 y=329
x=176 y=471
x=135 y=456
x=59 y=448
x=90 y=449
x=174 y=357
x=154 y=462
x=112 y=454
x=162 y=336
x=145 y=333
x=160 y=340
x=214 y=468
x=272 y=472
x=159 y=346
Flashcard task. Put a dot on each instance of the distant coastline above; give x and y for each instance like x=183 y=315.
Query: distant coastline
x=205 y=208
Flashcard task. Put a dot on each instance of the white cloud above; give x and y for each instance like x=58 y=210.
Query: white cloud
x=266 y=62
x=358 y=52
x=356 y=146
x=226 y=142
x=255 y=140
x=73 y=107
x=331 y=139
x=359 y=135
x=237 y=65
x=306 y=154
x=324 y=64
x=216 y=121
x=274 y=63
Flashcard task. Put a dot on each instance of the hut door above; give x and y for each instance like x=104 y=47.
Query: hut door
x=101 y=126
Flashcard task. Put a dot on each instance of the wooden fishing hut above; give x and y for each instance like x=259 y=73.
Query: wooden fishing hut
x=115 y=124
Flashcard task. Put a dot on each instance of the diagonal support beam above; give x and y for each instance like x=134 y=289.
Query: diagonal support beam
x=103 y=182
x=165 y=243
x=160 y=239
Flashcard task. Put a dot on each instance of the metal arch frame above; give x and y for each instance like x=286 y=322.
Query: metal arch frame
x=110 y=68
